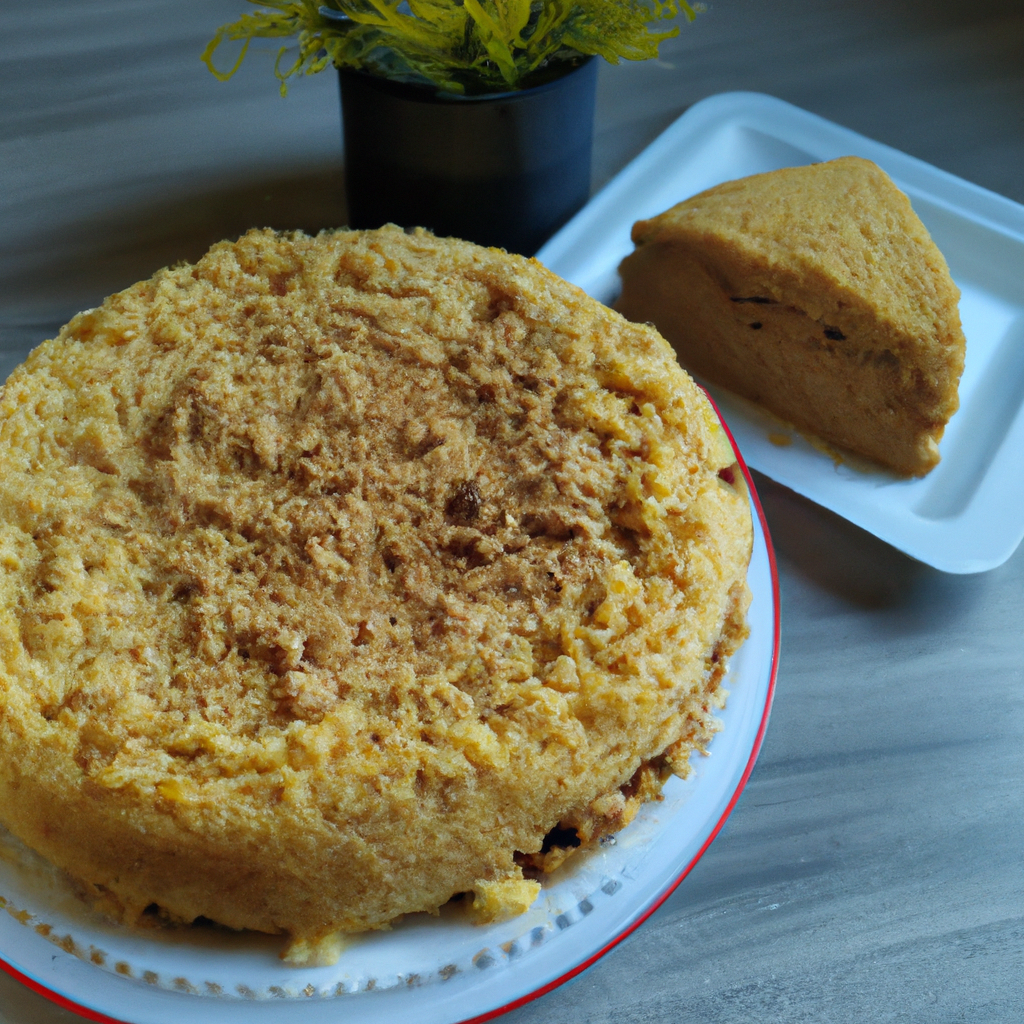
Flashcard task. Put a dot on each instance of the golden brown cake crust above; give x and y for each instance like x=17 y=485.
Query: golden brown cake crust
x=336 y=571
x=817 y=292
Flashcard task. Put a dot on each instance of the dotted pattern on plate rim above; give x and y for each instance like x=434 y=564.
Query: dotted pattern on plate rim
x=485 y=959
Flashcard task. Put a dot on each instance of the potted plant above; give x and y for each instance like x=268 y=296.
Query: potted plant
x=470 y=117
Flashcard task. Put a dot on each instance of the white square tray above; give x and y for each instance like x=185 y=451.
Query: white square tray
x=967 y=515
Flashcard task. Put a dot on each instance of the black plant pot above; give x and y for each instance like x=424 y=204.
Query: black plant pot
x=505 y=169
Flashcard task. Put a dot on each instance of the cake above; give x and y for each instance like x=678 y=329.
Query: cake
x=817 y=293
x=343 y=575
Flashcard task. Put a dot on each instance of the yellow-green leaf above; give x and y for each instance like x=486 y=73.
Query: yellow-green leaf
x=455 y=45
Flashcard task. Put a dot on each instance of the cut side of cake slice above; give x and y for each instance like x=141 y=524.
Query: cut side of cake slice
x=817 y=293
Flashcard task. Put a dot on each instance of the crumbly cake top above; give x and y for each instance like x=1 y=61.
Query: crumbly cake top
x=365 y=557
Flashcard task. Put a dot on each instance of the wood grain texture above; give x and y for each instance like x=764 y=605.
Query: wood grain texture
x=874 y=868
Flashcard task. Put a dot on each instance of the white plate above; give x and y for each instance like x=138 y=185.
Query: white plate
x=426 y=970
x=967 y=515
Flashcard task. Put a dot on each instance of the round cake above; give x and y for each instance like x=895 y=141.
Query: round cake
x=341 y=575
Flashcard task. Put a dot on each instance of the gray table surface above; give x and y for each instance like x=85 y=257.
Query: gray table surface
x=873 y=869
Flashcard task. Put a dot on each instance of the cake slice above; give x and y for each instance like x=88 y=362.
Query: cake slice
x=817 y=293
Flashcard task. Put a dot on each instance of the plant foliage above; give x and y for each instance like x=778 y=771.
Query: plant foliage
x=462 y=46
